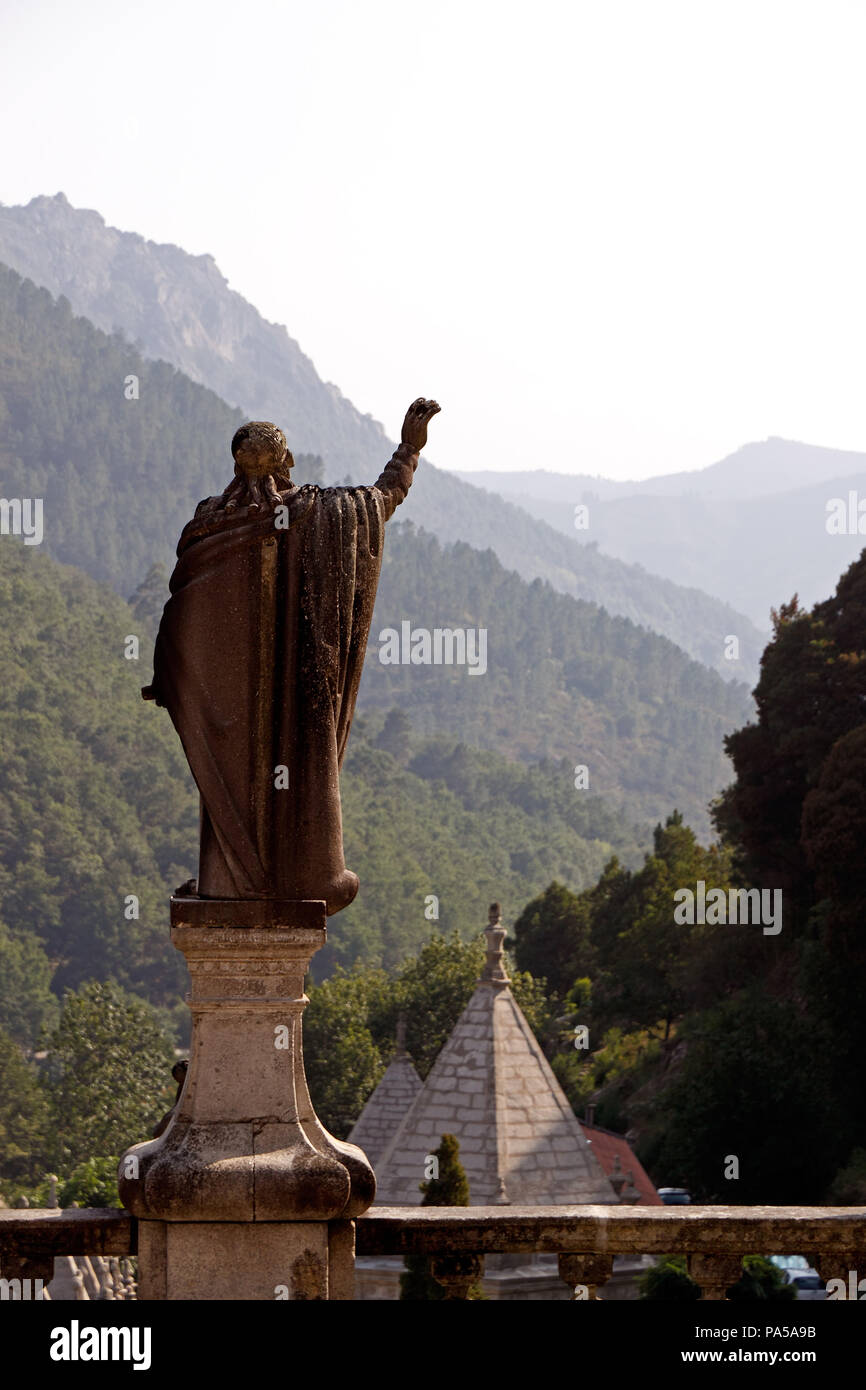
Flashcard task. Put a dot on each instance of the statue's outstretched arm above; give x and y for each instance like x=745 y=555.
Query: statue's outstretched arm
x=396 y=477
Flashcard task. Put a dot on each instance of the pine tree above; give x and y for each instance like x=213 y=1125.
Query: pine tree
x=448 y=1187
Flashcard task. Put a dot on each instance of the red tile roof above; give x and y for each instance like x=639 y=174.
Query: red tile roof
x=606 y=1146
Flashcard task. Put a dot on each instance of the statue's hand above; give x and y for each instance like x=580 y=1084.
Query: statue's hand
x=418 y=417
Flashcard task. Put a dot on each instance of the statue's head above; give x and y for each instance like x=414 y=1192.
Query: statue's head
x=259 y=448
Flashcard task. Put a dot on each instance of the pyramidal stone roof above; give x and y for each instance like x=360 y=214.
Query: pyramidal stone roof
x=492 y=1088
x=380 y=1119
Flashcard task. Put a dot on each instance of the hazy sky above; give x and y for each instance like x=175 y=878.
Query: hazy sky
x=620 y=237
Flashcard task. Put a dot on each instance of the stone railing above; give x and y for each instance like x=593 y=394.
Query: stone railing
x=30 y=1241
x=714 y=1239
x=587 y=1239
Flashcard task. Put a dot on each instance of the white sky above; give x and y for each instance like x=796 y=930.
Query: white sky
x=619 y=237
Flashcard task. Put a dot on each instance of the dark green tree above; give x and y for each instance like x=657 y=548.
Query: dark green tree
x=343 y=1063
x=23 y=1117
x=92 y=1184
x=448 y=1187
x=108 y=1075
x=552 y=938
x=26 y=1002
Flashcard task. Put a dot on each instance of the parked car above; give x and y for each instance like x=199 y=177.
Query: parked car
x=807 y=1282
x=675 y=1196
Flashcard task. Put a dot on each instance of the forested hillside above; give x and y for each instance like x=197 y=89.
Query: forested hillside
x=723 y=1037
x=97 y=805
x=564 y=680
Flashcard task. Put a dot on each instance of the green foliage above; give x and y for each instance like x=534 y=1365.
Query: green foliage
x=795 y=818
x=96 y=802
x=27 y=1005
x=451 y=1187
x=609 y=1074
x=555 y=664
x=23 y=1116
x=342 y=1061
x=95 y=798
x=744 y=1085
x=552 y=936
x=108 y=1075
x=668 y=1281
x=761 y=1279
x=92 y=1184
x=465 y=826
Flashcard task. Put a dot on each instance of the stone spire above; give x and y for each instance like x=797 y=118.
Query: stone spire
x=492 y=1087
x=382 y=1115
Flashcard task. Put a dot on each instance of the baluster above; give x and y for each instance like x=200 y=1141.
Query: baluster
x=715 y=1274
x=457 y=1273
x=589 y=1271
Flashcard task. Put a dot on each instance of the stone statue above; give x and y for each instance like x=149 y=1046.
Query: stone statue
x=258 y=660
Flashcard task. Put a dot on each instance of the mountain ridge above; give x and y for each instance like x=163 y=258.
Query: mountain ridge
x=119 y=282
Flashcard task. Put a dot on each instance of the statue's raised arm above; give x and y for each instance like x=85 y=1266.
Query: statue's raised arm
x=396 y=477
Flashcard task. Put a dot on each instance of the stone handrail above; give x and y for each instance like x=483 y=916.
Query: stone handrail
x=586 y=1239
x=30 y=1240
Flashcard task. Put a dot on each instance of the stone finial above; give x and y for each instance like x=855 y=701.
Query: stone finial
x=401 y=1036
x=52 y=1190
x=493 y=972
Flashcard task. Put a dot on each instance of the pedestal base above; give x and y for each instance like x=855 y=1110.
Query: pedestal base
x=275 y=1261
x=245 y=1190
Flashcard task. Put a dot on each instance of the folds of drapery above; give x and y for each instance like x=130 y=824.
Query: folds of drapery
x=258 y=661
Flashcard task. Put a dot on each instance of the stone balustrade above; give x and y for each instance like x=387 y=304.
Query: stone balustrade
x=587 y=1238
x=713 y=1238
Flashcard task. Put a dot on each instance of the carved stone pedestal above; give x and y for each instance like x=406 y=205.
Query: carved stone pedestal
x=246 y=1195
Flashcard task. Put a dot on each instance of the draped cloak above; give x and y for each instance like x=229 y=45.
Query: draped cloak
x=258 y=659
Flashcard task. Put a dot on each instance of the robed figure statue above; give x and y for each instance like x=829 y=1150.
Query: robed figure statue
x=258 y=660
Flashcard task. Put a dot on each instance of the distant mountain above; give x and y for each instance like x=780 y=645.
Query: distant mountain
x=755 y=470
x=749 y=529
x=179 y=308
